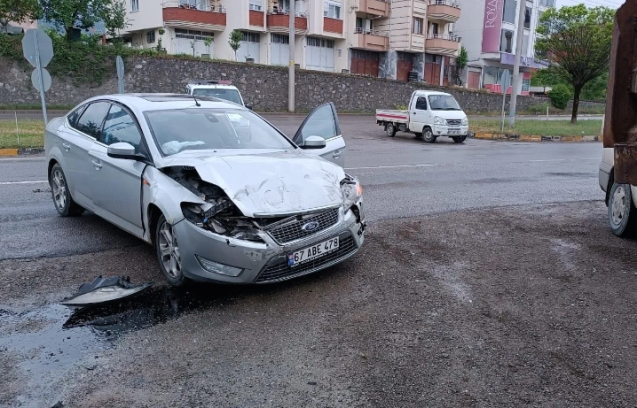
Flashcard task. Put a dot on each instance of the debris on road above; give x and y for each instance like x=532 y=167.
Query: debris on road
x=103 y=290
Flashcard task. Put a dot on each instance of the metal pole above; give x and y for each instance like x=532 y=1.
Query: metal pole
x=504 y=98
x=516 y=66
x=39 y=68
x=291 y=69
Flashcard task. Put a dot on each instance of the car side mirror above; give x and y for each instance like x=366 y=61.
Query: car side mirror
x=314 y=142
x=248 y=106
x=121 y=150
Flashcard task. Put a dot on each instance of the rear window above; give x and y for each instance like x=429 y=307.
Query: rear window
x=231 y=95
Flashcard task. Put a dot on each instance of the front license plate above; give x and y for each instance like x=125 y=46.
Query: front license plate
x=454 y=131
x=315 y=251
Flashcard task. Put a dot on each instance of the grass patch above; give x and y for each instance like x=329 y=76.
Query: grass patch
x=29 y=133
x=539 y=127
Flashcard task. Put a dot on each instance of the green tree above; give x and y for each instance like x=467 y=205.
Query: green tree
x=114 y=17
x=461 y=63
x=577 y=42
x=82 y=14
x=235 y=41
x=560 y=95
x=18 y=11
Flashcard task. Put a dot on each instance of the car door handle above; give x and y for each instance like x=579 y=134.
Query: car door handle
x=336 y=154
x=97 y=164
x=66 y=146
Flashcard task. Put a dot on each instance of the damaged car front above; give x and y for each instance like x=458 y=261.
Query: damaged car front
x=262 y=211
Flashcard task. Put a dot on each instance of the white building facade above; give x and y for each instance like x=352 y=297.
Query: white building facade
x=489 y=32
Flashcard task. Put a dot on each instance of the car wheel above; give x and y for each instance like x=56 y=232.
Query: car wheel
x=428 y=135
x=459 y=139
x=61 y=194
x=168 y=254
x=622 y=214
x=418 y=135
x=390 y=129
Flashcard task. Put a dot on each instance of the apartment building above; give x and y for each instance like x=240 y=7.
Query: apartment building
x=401 y=39
x=491 y=41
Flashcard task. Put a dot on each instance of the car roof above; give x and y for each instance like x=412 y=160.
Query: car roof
x=420 y=92
x=162 y=101
x=213 y=86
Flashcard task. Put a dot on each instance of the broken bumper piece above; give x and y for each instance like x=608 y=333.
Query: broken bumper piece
x=103 y=290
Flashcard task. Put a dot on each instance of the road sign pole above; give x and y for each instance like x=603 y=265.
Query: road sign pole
x=39 y=68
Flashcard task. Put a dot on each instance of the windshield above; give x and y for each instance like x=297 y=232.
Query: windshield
x=231 y=95
x=212 y=129
x=443 y=102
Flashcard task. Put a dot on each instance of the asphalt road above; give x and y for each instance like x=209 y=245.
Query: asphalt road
x=402 y=177
x=488 y=278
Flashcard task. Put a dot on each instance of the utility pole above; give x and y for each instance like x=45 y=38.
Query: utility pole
x=517 y=79
x=291 y=68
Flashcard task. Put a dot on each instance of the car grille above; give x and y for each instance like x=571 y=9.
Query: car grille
x=454 y=122
x=280 y=271
x=292 y=230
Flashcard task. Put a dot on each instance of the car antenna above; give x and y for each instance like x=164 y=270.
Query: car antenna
x=196 y=101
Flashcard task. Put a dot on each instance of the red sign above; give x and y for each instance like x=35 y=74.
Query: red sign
x=492 y=25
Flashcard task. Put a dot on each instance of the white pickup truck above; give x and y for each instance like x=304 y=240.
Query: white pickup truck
x=430 y=115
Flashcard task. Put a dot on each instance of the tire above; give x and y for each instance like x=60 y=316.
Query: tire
x=64 y=203
x=459 y=139
x=168 y=256
x=390 y=129
x=428 y=135
x=622 y=215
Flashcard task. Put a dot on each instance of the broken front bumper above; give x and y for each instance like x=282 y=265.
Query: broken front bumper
x=267 y=262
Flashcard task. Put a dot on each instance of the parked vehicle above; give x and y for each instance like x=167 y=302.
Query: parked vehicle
x=429 y=116
x=221 y=194
x=217 y=89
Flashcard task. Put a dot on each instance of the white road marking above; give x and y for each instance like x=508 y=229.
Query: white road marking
x=8 y=183
x=406 y=166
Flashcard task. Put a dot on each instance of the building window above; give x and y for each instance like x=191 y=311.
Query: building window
x=527 y=18
x=134 y=5
x=506 y=41
x=508 y=15
x=256 y=5
x=193 y=34
x=280 y=39
x=526 y=85
x=150 y=37
x=417 y=25
x=548 y=3
x=332 y=10
x=250 y=37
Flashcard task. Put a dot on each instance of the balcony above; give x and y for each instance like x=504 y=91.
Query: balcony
x=374 y=7
x=209 y=18
x=332 y=25
x=444 y=10
x=279 y=22
x=442 y=44
x=371 y=39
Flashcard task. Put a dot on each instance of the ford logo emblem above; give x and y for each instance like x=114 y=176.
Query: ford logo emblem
x=310 y=226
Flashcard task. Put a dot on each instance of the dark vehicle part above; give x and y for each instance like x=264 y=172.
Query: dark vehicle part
x=64 y=203
x=622 y=214
x=620 y=122
x=103 y=290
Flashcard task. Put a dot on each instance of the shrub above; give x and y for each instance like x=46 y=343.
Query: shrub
x=560 y=95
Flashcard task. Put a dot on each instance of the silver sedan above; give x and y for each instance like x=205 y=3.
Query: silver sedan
x=220 y=193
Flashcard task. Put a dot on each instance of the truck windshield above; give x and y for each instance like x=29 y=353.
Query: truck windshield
x=231 y=95
x=443 y=102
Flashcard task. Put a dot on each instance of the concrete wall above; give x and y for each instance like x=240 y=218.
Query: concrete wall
x=263 y=86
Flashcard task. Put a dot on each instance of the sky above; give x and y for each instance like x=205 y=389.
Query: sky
x=614 y=4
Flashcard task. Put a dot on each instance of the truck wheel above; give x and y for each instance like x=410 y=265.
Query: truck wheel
x=622 y=214
x=390 y=129
x=428 y=135
x=459 y=139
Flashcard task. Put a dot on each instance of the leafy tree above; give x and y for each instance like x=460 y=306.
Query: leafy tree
x=461 y=63
x=18 y=11
x=560 y=95
x=114 y=17
x=595 y=90
x=235 y=41
x=83 y=14
x=577 y=42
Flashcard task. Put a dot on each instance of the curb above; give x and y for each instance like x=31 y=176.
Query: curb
x=23 y=151
x=536 y=138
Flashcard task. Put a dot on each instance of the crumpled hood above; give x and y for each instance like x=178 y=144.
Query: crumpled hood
x=266 y=183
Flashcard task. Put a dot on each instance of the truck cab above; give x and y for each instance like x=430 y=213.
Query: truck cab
x=217 y=89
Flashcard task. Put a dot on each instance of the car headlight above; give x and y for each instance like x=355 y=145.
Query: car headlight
x=212 y=217
x=352 y=191
x=216 y=267
x=464 y=121
x=439 y=121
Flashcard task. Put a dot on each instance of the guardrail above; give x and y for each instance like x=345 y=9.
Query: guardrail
x=194 y=6
x=272 y=11
x=361 y=30
x=444 y=2
x=449 y=37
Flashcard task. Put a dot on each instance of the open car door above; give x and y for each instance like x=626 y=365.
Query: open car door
x=323 y=122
